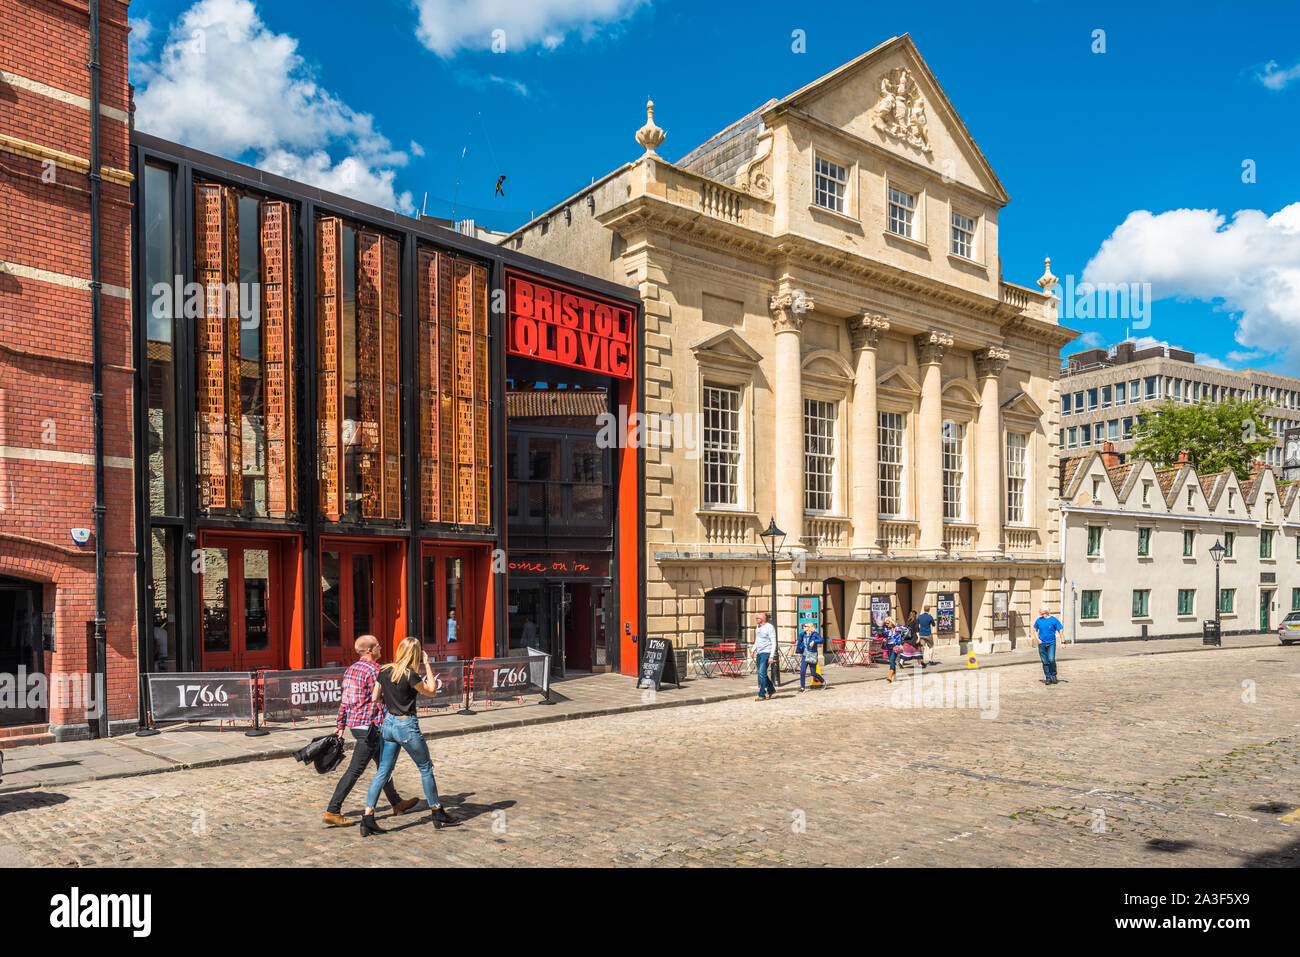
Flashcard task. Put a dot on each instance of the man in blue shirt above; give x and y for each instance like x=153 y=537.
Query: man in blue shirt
x=925 y=630
x=1047 y=627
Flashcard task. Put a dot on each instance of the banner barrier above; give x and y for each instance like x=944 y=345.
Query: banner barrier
x=290 y=695
x=499 y=679
x=448 y=679
x=201 y=696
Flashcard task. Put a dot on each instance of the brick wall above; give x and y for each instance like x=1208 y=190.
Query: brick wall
x=46 y=425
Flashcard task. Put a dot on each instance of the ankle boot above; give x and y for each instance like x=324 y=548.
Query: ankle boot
x=368 y=825
x=441 y=818
x=891 y=675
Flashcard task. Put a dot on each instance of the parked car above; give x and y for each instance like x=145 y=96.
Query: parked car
x=1289 y=628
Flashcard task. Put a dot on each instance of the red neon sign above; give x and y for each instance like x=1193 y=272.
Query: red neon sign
x=561 y=325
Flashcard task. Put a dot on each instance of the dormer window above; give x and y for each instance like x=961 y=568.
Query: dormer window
x=1146 y=492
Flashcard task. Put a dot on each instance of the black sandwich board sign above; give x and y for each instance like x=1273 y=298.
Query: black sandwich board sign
x=658 y=663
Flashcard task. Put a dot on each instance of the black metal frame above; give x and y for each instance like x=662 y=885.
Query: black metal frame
x=308 y=204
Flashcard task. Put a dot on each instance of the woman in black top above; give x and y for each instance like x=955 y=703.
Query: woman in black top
x=397 y=686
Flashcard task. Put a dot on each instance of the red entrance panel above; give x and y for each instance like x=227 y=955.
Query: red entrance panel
x=361 y=593
x=246 y=593
x=454 y=579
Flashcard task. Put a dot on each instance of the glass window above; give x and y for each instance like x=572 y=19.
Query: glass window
x=1085 y=435
x=1141 y=602
x=1106 y=396
x=1134 y=394
x=1152 y=387
x=1074 y=437
x=1127 y=431
x=1295 y=599
x=819 y=455
x=721 y=451
x=1017 y=443
x=954 y=475
x=1229 y=542
x=724 y=615
x=1065 y=403
x=902 y=210
x=1187 y=601
x=831 y=184
x=889 y=434
x=1189 y=543
x=164 y=611
x=1094 y=540
x=160 y=358
x=1112 y=429
x=1120 y=389
x=1144 y=542
x=1089 y=605
x=1266 y=543
x=963 y=236
x=1227 y=601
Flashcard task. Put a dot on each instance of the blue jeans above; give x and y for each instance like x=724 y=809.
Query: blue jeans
x=893 y=658
x=403 y=733
x=765 y=686
x=809 y=665
x=1047 y=654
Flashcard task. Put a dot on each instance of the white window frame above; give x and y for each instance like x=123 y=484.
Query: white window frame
x=820 y=454
x=971 y=254
x=913 y=221
x=707 y=431
x=952 y=458
x=890 y=470
x=819 y=174
x=1017 y=478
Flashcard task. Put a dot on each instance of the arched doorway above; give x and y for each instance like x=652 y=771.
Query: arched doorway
x=903 y=593
x=724 y=615
x=21 y=651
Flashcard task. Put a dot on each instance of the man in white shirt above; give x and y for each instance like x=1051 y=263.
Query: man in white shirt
x=764 y=648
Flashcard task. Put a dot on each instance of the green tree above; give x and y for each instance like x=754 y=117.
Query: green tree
x=1215 y=435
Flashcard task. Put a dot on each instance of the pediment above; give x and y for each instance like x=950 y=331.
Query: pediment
x=961 y=392
x=897 y=381
x=1022 y=405
x=889 y=98
x=728 y=347
x=827 y=364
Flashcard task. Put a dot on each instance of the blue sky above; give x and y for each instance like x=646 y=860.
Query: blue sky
x=383 y=107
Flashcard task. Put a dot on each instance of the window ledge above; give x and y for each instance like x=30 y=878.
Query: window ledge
x=1146 y=558
x=958 y=258
x=813 y=207
x=1144 y=620
x=1186 y=617
x=905 y=239
x=723 y=510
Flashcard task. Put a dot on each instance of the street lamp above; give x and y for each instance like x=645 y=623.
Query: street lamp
x=1216 y=552
x=774 y=538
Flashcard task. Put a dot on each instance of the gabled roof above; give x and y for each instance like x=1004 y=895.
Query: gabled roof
x=1168 y=479
x=1212 y=486
x=1070 y=471
x=1121 y=476
x=943 y=105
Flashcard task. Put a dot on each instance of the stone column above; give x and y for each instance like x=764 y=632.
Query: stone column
x=865 y=331
x=988 y=451
x=927 y=477
x=788 y=310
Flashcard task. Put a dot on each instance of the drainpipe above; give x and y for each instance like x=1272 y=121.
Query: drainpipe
x=101 y=729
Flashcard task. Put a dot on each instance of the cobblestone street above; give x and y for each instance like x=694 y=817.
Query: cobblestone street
x=1187 y=759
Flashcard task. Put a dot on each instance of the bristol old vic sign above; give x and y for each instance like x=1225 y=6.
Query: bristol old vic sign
x=560 y=324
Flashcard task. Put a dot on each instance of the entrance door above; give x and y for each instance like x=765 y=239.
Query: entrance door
x=240 y=615
x=1265 y=605
x=450 y=625
x=964 y=614
x=20 y=646
x=560 y=601
x=355 y=599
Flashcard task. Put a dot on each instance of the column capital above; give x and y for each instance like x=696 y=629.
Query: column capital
x=990 y=361
x=931 y=346
x=866 y=329
x=788 y=310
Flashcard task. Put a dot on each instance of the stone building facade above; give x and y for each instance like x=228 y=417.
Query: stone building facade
x=1105 y=391
x=1137 y=543
x=830 y=345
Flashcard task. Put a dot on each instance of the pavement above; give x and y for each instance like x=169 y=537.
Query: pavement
x=1187 y=757
x=182 y=747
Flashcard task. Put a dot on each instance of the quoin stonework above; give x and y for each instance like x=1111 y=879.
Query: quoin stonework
x=823 y=295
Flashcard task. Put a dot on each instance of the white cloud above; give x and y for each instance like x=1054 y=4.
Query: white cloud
x=1248 y=266
x=1089 y=340
x=227 y=84
x=416 y=149
x=138 y=43
x=449 y=26
x=1276 y=79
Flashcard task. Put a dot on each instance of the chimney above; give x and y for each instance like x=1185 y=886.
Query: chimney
x=1259 y=467
x=1109 y=456
x=1182 y=458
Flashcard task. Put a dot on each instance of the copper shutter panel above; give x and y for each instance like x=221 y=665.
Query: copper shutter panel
x=446 y=383
x=216 y=253
x=369 y=390
x=278 y=354
x=329 y=365
x=482 y=430
x=427 y=297
x=390 y=382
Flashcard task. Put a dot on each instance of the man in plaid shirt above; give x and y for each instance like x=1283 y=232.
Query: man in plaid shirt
x=362 y=717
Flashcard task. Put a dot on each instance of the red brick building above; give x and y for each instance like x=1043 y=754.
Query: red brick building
x=47 y=347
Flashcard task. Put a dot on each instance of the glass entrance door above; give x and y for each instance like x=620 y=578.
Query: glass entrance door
x=353 y=598
x=450 y=625
x=21 y=653
x=239 y=587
